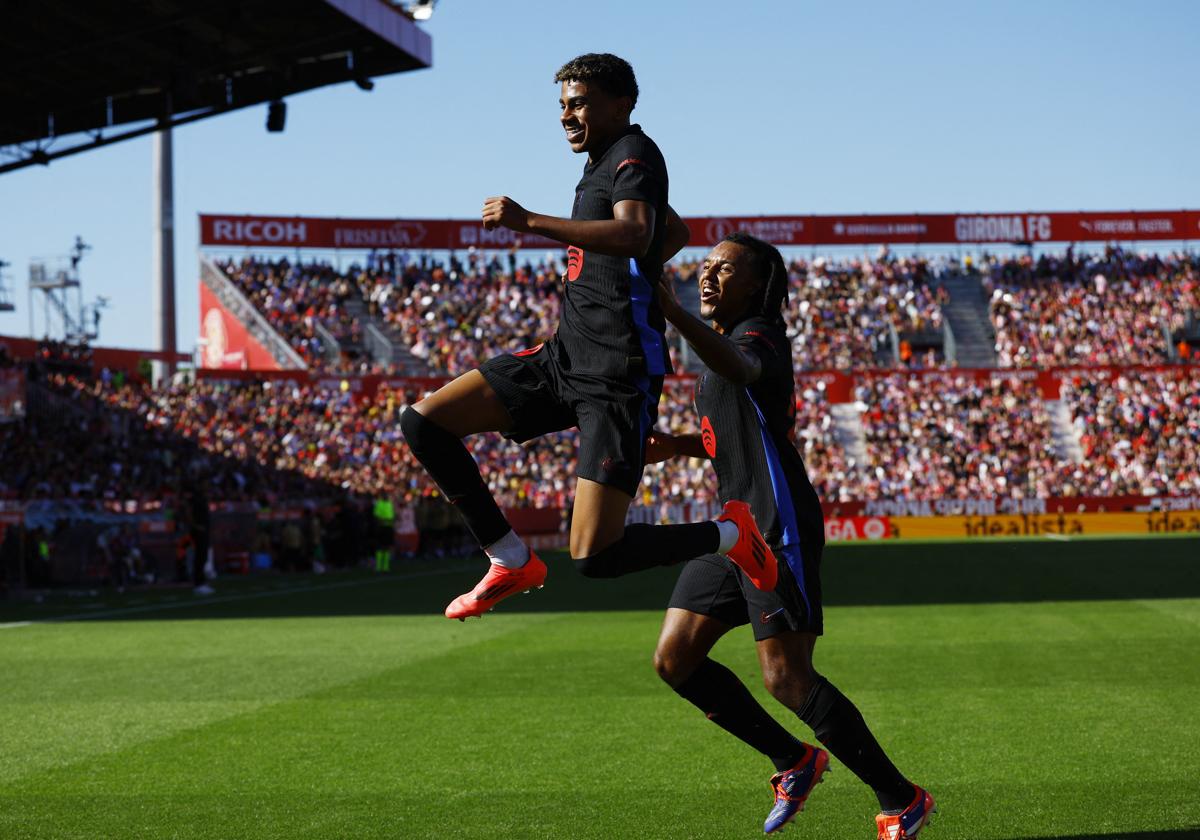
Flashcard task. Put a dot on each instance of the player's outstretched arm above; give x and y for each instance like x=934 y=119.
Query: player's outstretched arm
x=628 y=234
x=661 y=446
x=722 y=356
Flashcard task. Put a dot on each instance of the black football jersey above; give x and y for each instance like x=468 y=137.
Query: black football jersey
x=611 y=324
x=747 y=432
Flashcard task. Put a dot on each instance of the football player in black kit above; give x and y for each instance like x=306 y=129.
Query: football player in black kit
x=602 y=371
x=746 y=402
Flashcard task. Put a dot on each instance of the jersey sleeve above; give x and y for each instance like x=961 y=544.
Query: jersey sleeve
x=768 y=343
x=639 y=173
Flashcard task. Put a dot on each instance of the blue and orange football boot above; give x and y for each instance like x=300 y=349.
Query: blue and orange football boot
x=792 y=787
x=498 y=584
x=751 y=552
x=908 y=824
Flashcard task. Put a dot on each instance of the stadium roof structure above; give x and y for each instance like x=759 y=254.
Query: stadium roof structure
x=76 y=74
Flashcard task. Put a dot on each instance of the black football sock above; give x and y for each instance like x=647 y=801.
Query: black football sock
x=449 y=463
x=716 y=691
x=838 y=725
x=646 y=546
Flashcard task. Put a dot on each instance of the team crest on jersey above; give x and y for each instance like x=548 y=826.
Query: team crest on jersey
x=708 y=437
x=574 y=263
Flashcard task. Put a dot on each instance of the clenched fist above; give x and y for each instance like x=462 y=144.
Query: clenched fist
x=502 y=211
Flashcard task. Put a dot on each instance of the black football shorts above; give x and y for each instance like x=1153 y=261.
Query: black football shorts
x=613 y=415
x=712 y=585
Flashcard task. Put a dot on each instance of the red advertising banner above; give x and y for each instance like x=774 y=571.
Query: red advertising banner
x=226 y=344
x=359 y=234
x=839 y=386
x=857 y=528
x=217 y=230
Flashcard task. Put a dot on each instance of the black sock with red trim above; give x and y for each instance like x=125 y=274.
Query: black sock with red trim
x=840 y=727
x=449 y=464
x=725 y=700
x=646 y=546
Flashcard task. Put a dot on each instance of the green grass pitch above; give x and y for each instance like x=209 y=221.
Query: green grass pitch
x=1039 y=689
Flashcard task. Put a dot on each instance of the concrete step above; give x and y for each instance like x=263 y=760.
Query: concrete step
x=967 y=314
x=384 y=344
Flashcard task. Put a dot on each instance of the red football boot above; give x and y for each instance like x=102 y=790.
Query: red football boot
x=498 y=584
x=907 y=825
x=751 y=553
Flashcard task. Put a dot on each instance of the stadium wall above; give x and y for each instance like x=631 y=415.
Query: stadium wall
x=113 y=358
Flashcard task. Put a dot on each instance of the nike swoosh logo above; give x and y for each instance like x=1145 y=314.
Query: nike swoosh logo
x=766 y=617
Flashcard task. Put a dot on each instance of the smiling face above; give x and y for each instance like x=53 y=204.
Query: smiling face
x=591 y=117
x=728 y=281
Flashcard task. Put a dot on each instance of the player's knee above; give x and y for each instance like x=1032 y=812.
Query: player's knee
x=788 y=682
x=672 y=668
x=588 y=551
x=595 y=566
x=421 y=433
x=601 y=564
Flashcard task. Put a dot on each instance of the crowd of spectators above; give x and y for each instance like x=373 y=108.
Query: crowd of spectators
x=280 y=439
x=942 y=436
x=102 y=440
x=839 y=315
x=853 y=315
x=297 y=300
x=1114 y=308
x=1140 y=432
x=939 y=436
x=953 y=437
x=455 y=314
x=833 y=472
x=1109 y=308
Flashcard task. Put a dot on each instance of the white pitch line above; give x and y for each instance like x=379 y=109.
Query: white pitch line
x=226 y=599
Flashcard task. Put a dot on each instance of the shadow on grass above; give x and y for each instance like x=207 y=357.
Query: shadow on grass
x=1168 y=834
x=852 y=575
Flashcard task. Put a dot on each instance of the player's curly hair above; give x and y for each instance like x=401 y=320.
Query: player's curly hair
x=612 y=73
x=769 y=264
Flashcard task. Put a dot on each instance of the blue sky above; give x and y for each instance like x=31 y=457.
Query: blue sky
x=759 y=107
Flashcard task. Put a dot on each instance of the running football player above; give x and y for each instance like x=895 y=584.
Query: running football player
x=746 y=402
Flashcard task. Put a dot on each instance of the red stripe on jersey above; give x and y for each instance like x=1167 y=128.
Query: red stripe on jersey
x=757 y=334
x=627 y=161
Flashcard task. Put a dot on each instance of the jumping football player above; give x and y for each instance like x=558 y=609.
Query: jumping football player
x=602 y=371
x=747 y=409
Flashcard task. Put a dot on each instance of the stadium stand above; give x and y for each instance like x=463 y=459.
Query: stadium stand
x=955 y=438
x=861 y=314
x=882 y=425
x=1112 y=309
x=1140 y=432
x=453 y=315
